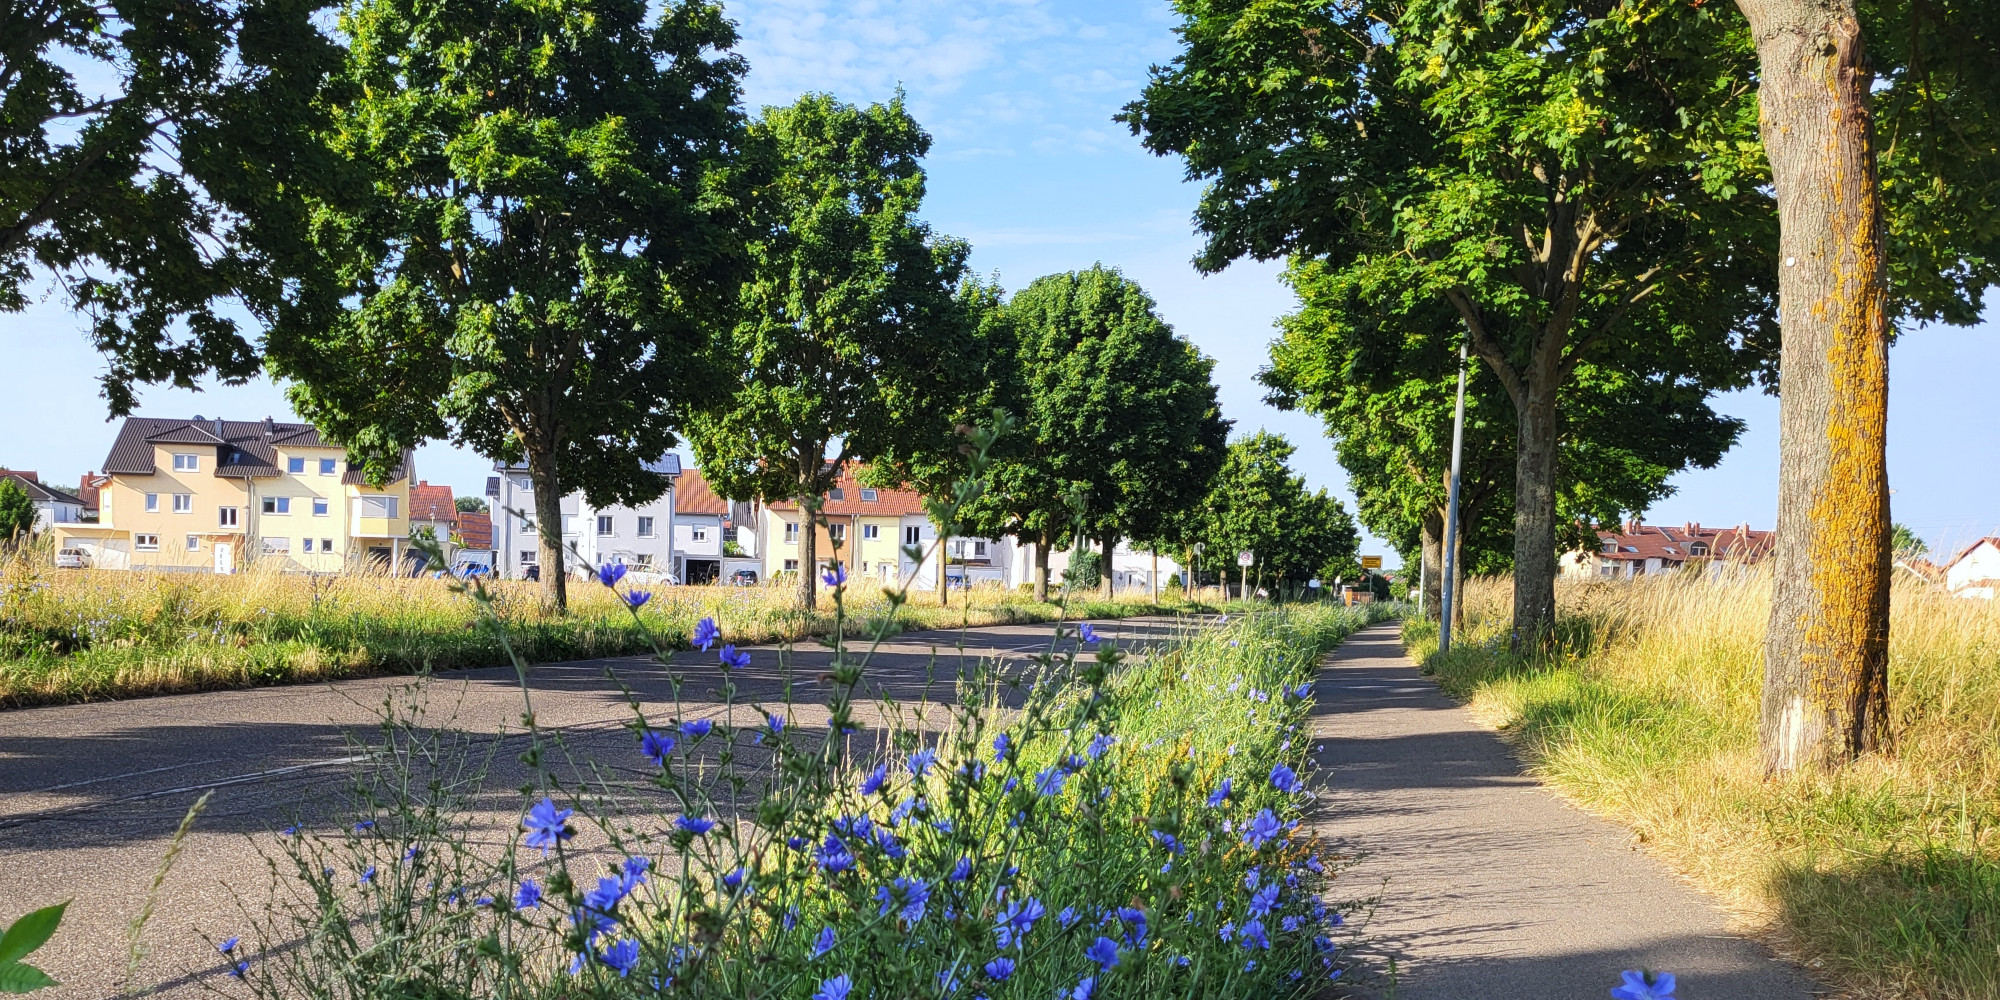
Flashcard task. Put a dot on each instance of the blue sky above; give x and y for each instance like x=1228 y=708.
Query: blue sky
x=1028 y=166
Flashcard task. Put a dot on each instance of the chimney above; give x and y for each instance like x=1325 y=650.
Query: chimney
x=270 y=426
x=1632 y=526
x=218 y=426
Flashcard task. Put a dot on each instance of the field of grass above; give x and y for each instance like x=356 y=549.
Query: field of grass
x=77 y=635
x=1884 y=878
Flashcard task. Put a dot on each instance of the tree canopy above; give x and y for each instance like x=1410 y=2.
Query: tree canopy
x=539 y=230
x=1258 y=504
x=860 y=337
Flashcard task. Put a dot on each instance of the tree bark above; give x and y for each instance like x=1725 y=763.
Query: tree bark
x=1431 y=538
x=1534 y=514
x=1109 y=543
x=1041 y=572
x=544 y=475
x=808 y=553
x=1826 y=682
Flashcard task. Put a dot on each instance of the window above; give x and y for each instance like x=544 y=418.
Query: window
x=225 y=517
x=643 y=560
x=912 y=535
x=791 y=532
x=1698 y=549
x=326 y=467
x=1611 y=546
x=146 y=543
x=295 y=465
x=871 y=531
x=837 y=532
x=836 y=494
x=187 y=463
x=978 y=548
x=277 y=546
x=306 y=544
x=194 y=543
x=277 y=505
x=791 y=565
x=319 y=507
x=183 y=503
x=701 y=534
x=646 y=528
x=373 y=506
x=152 y=503
x=604 y=524
x=527 y=555
x=729 y=533
x=869 y=495
x=326 y=545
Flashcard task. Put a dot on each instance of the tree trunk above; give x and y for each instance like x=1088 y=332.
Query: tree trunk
x=1826 y=684
x=1041 y=571
x=1458 y=578
x=944 y=571
x=543 y=474
x=1431 y=537
x=808 y=554
x=1534 y=513
x=1110 y=585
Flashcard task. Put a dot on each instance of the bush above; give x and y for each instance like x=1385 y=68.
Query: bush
x=1085 y=570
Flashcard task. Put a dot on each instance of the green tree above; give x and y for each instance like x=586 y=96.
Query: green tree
x=145 y=146
x=1881 y=121
x=1579 y=183
x=470 y=505
x=1120 y=418
x=1384 y=381
x=17 y=511
x=1257 y=503
x=539 y=235
x=856 y=343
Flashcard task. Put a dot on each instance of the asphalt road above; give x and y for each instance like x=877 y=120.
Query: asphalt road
x=1490 y=886
x=90 y=795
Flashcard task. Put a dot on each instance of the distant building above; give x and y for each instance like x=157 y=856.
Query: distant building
x=475 y=533
x=641 y=537
x=1975 y=571
x=872 y=525
x=1643 y=549
x=52 y=506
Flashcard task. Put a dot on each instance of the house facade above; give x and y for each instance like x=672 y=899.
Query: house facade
x=52 y=506
x=641 y=537
x=213 y=495
x=1646 y=549
x=1975 y=571
x=871 y=526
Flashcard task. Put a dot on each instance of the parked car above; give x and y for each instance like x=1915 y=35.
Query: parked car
x=743 y=578
x=72 y=559
x=650 y=577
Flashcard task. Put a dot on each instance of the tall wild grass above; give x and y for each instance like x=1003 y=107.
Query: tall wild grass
x=1884 y=877
x=76 y=635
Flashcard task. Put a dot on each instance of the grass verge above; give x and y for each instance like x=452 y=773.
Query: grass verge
x=81 y=635
x=1883 y=878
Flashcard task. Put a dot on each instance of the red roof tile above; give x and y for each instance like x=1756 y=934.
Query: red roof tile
x=475 y=529
x=432 y=503
x=887 y=503
x=693 y=495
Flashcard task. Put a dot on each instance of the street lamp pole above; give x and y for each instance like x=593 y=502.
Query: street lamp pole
x=1448 y=592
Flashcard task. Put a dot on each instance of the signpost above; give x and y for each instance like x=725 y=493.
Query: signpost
x=1244 y=560
x=1371 y=562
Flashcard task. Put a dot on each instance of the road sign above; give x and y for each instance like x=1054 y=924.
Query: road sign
x=1246 y=558
x=1371 y=562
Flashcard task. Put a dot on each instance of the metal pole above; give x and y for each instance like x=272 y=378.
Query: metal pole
x=1450 y=597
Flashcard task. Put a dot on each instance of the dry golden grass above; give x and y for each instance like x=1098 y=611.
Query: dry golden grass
x=72 y=635
x=1884 y=877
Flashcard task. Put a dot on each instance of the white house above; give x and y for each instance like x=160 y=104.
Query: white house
x=640 y=537
x=52 y=506
x=1131 y=569
x=1975 y=571
x=701 y=520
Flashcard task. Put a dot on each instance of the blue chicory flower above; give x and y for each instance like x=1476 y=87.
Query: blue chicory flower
x=999 y=969
x=1220 y=795
x=1084 y=989
x=1097 y=746
x=1049 y=781
x=1019 y=918
x=610 y=573
x=528 y=896
x=1262 y=829
x=1264 y=900
x=1001 y=743
x=1068 y=917
x=621 y=955
x=705 y=634
x=921 y=761
x=239 y=970
x=696 y=825
x=227 y=946
x=655 y=746
x=697 y=728
x=906 y=895
x=1104 y=952
x=638 y=599
x=547 y=825
x=733 y=658
x=1251 y=935
x=823 y=943
x=961 y=871
x=368 y=875
x=364 y=826
x=1284 y=779
x=873 y=783
x=1643 y=984
x=1086 y=633
x=835 y=576
x=836 y=988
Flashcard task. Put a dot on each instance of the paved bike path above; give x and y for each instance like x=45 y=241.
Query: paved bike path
x=1490 y=886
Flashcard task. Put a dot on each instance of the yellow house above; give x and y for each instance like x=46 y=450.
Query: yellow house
x=872 y=525
x=218 y=495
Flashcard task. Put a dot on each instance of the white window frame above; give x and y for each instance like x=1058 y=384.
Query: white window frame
x=529 y=557
x=871 y=531
x=869 y=495
x=606 y=526
x=791 y=565
x=278 y=506
x=295 y=465
x=152 y=503
x=185 y=462
x=791 y=532
x=183 y=503
x=321 y=508
x=700 y=533
x=227 y=517
x=306 y=545
x=836 y=532
x=326 y=545
x=978 y=548
x=146 y=542
x=913 y=535
x=645 y=527
x=277 y=546
x=373 y=505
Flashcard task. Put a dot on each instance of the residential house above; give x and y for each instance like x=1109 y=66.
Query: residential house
x=52 y=506
x=704 y=530
x=88 y=489
x=1643 y=549
x=217 y=495
x=1975 y=571
x=1131 y=569
x=641 y=537
x=434 y=512
x=871 y=526
x=475 y=535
